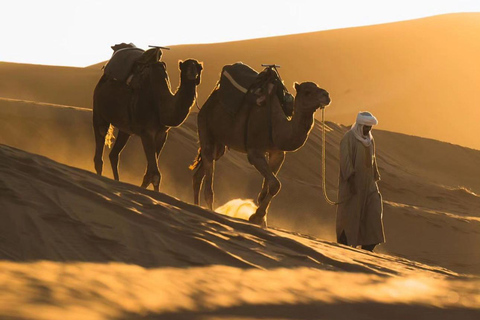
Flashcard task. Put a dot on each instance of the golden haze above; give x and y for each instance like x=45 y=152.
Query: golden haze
x=419 y=77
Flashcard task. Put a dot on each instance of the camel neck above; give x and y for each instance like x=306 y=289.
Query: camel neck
x=291 y=135
x=302 y=122
x=182 y=102
x=173 y=108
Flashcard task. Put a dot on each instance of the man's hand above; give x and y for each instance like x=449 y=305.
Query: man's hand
x=351 y=184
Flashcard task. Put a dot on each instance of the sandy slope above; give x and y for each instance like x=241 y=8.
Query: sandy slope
x=113 y=250
x=432 y=208
x=50 y=84
x=200 y=265
x=57 y=291
x=419 y=77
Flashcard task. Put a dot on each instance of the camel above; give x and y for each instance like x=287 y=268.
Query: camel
x=264 y=133
x=148 y=110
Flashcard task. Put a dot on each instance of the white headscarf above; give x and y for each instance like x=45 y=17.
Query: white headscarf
x=364 y=118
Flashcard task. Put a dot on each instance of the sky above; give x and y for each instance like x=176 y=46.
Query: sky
x=80 y=33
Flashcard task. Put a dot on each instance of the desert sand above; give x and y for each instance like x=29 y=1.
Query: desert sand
x=83 y=246
x=420 y=76
x=76 y=245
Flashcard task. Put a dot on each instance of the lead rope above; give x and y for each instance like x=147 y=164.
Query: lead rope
x=196 y=99
x=330 y=202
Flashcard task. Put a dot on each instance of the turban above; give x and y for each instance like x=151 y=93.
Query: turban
x=366 y=118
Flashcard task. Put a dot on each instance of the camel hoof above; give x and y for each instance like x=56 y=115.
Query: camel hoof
x=258 y=220
x=264 y=223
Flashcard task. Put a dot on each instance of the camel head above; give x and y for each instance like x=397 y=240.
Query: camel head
x=191 y=70
x=310 y=97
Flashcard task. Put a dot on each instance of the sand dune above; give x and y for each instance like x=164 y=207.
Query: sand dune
x=432 y=206
x=73 y=243
x=121 y=291
x=201 y=265
x=419 y=77
x=50 y=84
x=74 y=215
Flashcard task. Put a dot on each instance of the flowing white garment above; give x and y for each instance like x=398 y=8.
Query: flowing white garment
x=358 y=132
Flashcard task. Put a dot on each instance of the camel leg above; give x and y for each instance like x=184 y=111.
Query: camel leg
x=258 y=160
x=120 y=142
x=208 y=163
x=160 y=139
x=209 y=156
x=198 y=177
x=275 y=161
x=100 y=128
x=152 y=175
x=204 y=139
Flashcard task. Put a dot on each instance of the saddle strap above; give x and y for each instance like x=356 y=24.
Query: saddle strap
x=234 y=83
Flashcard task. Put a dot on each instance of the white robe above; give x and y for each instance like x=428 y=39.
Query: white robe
x=359 y=215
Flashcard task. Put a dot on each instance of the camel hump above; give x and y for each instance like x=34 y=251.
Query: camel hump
x=235 y=81
x=120 y=65
x=122 y=45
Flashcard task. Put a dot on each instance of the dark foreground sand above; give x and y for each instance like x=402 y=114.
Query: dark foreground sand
x=430 y=188
x=84 y=247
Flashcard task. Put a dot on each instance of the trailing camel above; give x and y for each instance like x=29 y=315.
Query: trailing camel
x=263 y=132
x=147 y=108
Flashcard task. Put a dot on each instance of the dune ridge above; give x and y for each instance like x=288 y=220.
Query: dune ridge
x=418 y=77
x=73 y=244
x=429 y=215
x=84 y=245
x=65 y=226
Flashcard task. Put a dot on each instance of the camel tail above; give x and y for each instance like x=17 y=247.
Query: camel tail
x=109 y=137
x=197 y=161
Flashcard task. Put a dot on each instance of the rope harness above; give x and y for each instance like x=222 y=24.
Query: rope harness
x=196 y=100
x=330 y=202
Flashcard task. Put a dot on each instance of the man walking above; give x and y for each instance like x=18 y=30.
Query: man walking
x=359 y=214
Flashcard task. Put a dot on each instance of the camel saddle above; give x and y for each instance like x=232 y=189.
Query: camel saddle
x=235 y=81
x=125 y=59
x=239 y=83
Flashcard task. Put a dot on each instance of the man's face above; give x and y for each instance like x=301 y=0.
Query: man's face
x=366 y=130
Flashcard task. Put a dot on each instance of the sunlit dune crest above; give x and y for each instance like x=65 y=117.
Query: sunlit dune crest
x=418 y=77
x=238 y=208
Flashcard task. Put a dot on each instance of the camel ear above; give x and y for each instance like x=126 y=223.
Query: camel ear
x=199 y=69
x=180 y=63
x=296 y=86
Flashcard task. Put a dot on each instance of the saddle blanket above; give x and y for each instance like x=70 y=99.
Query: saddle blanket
x=120 y=65
x=235 y=81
